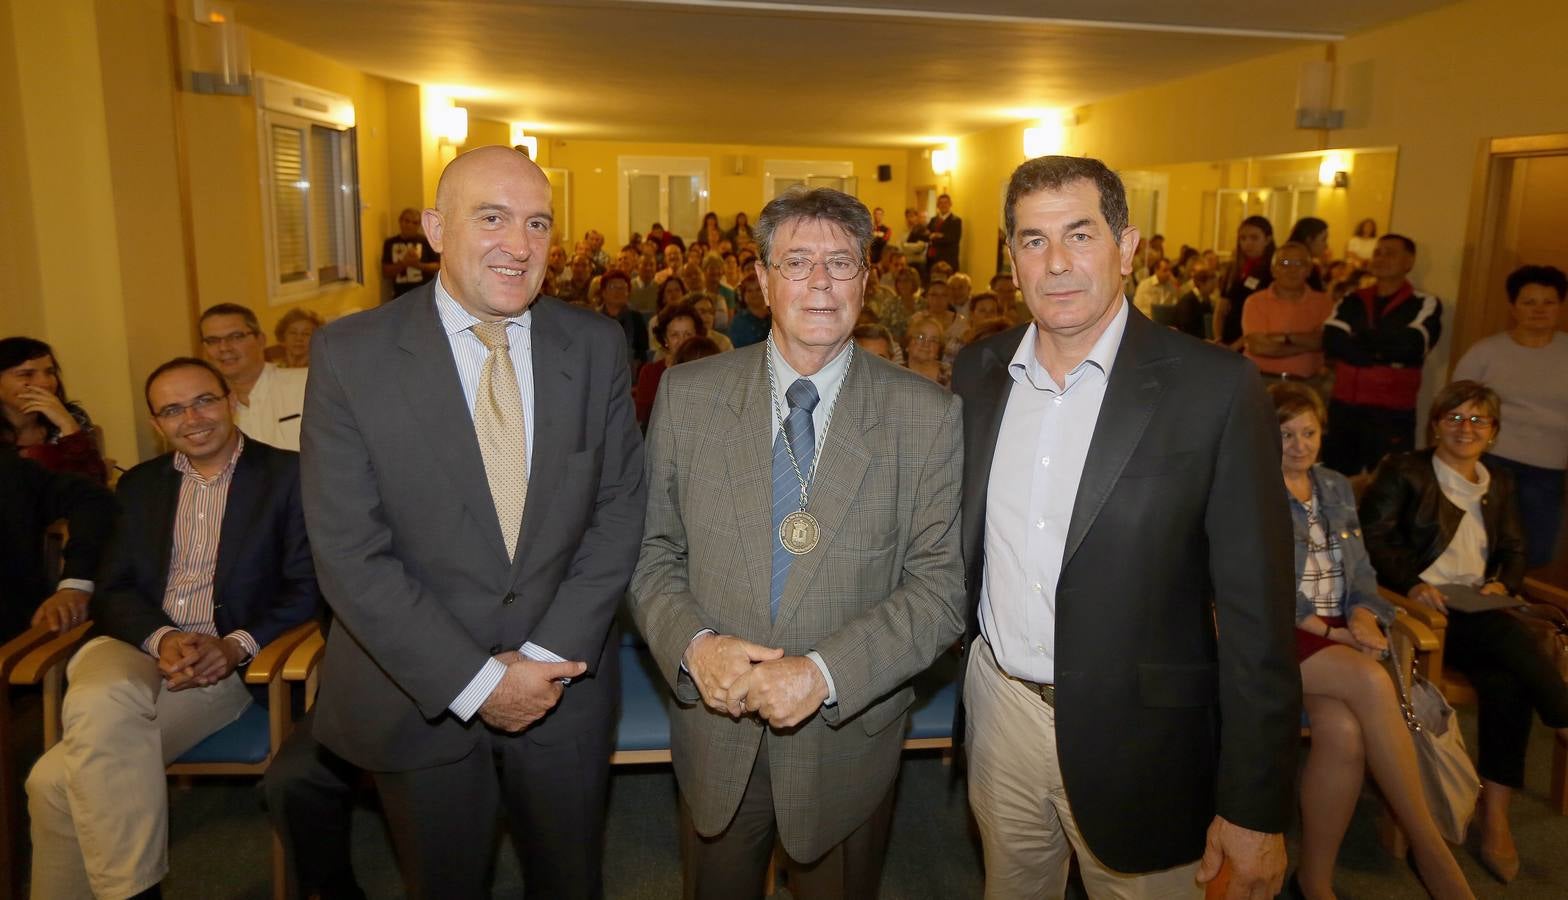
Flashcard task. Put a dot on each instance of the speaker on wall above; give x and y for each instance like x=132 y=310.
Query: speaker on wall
x=884 y=173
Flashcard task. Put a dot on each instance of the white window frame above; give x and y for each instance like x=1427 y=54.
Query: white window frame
x=802 y=169
x=283 y=102
x=665 y=166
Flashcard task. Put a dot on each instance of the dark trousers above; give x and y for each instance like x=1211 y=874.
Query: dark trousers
x=1513 y=681
x=1358 y=437
x=310 y=799
x=444 y=819
x=733 y=864
x=1540 y=493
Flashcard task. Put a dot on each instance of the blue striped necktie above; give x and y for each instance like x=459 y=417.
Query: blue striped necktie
x=802 y=437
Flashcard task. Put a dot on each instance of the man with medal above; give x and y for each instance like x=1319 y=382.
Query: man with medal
x=790 y=596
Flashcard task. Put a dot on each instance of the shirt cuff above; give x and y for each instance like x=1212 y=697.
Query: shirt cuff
x=478 y=690
x=245 y=640
x=816 y=657
x=150 y=646
x=539 y=654
x=75 y=584
x=688 y=647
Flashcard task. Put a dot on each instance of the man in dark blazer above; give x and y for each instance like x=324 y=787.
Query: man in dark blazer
x=795 y=617
x=31 y=499
x=473 y=482
x=1131 y=692
x=945 y=234
x=210 y=562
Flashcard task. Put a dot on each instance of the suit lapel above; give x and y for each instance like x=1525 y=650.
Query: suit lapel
x=428 y=377
x=840 y=473
x=239 y=514
x=1131 y=396
x=748 y=453
x=555 y=392
x=166 y=505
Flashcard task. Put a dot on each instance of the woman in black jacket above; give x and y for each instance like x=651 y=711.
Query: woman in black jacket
x=1438 y=517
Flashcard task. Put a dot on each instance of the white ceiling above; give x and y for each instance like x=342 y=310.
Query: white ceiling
x=807 y=72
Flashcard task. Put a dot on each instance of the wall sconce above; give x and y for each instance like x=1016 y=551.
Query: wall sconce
x=942 y=160
x=522 y=140
x=1047 y=138
x=1315 y=97
x=1334 y=170
x=453 y=127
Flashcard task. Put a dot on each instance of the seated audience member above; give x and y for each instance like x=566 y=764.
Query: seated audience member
x=985 y=308
x=1159 y=289
x=923 y=347
x=1282 y=325
x=407 y=258
x=984 y=329
x=739 y=232
x=1526 y=365
x=38 y=419
x=695 y=255
x=1185 y=260
x=268 y=400
x=1007 y=297
x=645 y=290
x=1351 y=702
x=674 y=326
x=939 y=271
x=293 y=332
x=906 y=286
x=938 y=305
x=573 y=286
x=1312 y=233
x=960 y=287
x=171 y=629
x=616 y=291
x=707 y=309
x=31 y=499
x=1437 y=520
x=671 y=291
x=1358 y=250
x=878 y=291
x=673 y=258
x=722 y=294
x=555 y=263
x=696 y=348
x=731 y=268
x=875 y=340
x=598 y=257
x=752 y=320
x=1194 y=309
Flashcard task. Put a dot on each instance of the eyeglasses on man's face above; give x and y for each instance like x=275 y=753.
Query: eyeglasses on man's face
x=1292 y=263
x=233 y=337
x=1456 y=420
x=176 y=411
x=839 y=268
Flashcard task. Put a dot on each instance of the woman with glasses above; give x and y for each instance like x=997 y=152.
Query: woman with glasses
x=1341 y=624
x=923 y=346
x=1439 y=520
x=36 y=417
x=1525 y=365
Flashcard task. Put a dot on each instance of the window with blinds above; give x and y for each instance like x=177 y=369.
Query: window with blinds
x=312 y=195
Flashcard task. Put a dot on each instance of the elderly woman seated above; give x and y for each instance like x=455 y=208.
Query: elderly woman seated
x=1439 y=523
x=675 y=325
x=1348 y=696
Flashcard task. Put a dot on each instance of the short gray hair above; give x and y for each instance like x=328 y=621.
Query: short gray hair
x=819 y=204
x=1052 y=173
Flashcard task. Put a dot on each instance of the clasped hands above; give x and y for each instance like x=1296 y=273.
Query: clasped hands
x=189 y=659
x=527 y=691
x=737 y=677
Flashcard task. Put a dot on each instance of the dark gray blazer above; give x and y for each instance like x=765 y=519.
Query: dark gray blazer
x=407 y=546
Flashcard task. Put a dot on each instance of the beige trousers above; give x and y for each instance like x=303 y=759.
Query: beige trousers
x=98 y=799
x=1016 y=793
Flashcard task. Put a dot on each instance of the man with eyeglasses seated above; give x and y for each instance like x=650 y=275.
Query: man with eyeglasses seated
x=268 y=400
x=1282 y=325
x=210 y=562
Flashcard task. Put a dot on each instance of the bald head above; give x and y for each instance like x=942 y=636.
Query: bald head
x=486 y=164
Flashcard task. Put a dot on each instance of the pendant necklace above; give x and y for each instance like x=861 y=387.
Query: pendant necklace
x=800 y=531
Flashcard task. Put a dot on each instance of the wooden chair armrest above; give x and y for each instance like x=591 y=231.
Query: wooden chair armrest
x=45 y=656
x=1542 y=591
x=1422 y=638
x=12 y=651
x=1424 y=614
x=306 y=656
x=268 y=662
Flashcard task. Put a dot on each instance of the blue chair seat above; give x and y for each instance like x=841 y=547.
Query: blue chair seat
x=644 y=722
x=936 y=697
x=245 y=740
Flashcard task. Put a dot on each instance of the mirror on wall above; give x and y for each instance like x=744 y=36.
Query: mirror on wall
x=1201 y=204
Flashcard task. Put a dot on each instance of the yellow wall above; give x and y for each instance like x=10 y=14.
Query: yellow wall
x=595 y=191
x=23 y=310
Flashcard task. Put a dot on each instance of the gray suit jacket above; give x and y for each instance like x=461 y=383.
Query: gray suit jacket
x=879 y=598
x=407 y=546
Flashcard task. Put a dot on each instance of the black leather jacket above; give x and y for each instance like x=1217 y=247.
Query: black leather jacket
x=1408 y=522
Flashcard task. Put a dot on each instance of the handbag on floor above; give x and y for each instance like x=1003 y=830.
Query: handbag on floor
x=1448 y=777
x=1549 y=626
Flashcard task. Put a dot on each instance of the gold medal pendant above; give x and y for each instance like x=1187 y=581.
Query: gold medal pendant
x=799 y=532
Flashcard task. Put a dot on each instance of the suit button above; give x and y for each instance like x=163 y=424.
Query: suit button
x=507 y=600
x=495 y=649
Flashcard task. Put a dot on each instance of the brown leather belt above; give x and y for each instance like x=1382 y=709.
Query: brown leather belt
x=1046 y=692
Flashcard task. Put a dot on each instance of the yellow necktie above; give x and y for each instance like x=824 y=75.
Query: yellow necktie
x=503 y=439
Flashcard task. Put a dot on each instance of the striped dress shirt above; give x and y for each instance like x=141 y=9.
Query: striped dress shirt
x=193 y=560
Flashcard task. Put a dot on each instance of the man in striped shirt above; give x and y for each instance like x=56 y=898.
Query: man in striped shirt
x=210 y=563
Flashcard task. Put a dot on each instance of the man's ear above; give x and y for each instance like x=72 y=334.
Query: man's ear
x=431 y=220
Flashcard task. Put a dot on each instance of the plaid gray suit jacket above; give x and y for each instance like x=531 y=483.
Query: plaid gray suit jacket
x=879 y=598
